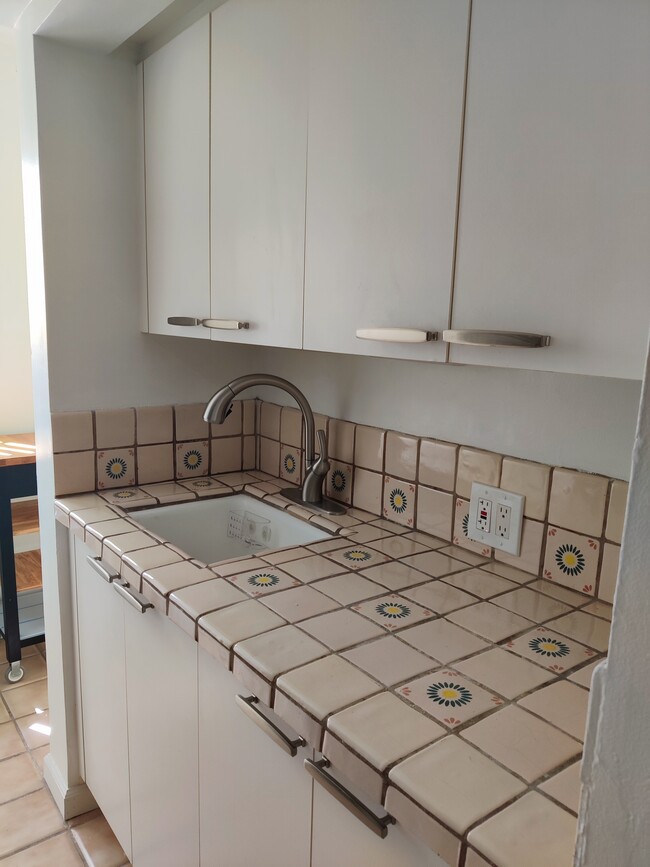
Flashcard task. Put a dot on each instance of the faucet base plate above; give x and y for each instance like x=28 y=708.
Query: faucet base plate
x=326 y=506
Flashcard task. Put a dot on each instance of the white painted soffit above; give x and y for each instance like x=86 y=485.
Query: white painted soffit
x=98 y=25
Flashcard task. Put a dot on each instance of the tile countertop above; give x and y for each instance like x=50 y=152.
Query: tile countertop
x=450 y=688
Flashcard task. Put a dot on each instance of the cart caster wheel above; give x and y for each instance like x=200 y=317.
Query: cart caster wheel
x=15 y=672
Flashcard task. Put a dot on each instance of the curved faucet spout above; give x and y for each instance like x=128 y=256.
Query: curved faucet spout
x=219 y=404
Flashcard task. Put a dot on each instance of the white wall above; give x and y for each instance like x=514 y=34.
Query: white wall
x=582 y=422
x=614 y=825
x=16 y=405
x=89 y=167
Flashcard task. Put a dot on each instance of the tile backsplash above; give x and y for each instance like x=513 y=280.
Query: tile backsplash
x=573 y=520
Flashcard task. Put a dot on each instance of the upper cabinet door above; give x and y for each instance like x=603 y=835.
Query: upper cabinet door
x=554 y=210
x=259 y=152
x=385 y=118
x=177 y=176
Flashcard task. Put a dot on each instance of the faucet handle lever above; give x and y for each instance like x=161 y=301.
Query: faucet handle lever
x=321 y=436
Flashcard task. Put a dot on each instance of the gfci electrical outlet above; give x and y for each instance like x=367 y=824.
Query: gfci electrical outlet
x=496 y=518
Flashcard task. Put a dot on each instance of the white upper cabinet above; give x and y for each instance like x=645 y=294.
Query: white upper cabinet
x=177 y=177
x=259 y=152
x=385 y=117
x=554 y=221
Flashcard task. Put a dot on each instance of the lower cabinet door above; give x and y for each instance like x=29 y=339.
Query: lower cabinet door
x=161 y=688
x=339 y=839
x=100 y=627
x=255 y=798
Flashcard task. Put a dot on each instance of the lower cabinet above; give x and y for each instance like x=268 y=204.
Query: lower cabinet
x=255 y=799
x=138 y=679
x=340 y=840
x=102 y=681
x=182 y=775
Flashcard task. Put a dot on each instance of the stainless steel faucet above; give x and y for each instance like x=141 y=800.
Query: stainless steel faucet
x=311 y=493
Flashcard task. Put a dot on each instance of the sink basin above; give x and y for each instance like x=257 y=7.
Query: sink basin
x=215 y=530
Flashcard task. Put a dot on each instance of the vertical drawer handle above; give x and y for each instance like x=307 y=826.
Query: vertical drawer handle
x=249 y=704
x=472 y=337
x=377 y=824
x=135 y=599
x=397 y=335
x=109 y=575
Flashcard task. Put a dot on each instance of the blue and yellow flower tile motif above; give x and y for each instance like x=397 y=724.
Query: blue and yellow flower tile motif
x=393 y=610
x=192 y=459
x=338 y=481
x=449 y=694
x=357 y=555
x=465 y=525
x=570 y=559
x=398 y=500
x=546 y=646
x=263 y=580
x=125 y=495
x=116 y=468
x=290 y=463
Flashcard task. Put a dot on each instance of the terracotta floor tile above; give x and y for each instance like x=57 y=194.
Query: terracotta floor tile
x=58 y=851
x=35 y=669
x=35 y=729
x=39 y=755
x=18 y=777
x=28 y=820
x=24 y=700
x=98 y=843
x=10 y=741
x=5 y=716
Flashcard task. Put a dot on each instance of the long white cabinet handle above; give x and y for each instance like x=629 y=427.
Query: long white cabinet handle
x=473 y=337
x=224 y=324
x=397 y=335
x=192 y=322
x=377 y=824
x=135 y=599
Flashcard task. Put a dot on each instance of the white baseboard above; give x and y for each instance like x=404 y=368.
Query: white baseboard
x=71 y=800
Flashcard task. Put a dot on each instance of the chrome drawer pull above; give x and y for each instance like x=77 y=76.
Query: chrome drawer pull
x=397 y=335
x=224 y=324
x=184 y=321
x=471 y=337
x=249 y=704
x=135 y=599
x=109 y=575
x=377 y=824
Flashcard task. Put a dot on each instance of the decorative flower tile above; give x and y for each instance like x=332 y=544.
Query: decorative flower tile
x=571 y=560
x=339 y=482
x=393 y=612
x=449 y=697
x=291 y=464
x=357 y=557
x=259 y=582
x=205 y=486
x=549 y=649
x=115 y=468
x=128 y=497
x=192 y=459
x=399 y=501
x=460 y=537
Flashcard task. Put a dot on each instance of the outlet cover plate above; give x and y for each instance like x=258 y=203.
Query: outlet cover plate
x=496 y=497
